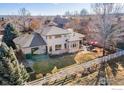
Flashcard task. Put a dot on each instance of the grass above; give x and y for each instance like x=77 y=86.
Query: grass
x=47 y=66
x=44 y=64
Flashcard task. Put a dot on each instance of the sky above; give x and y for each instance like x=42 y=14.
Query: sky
x=42 y=8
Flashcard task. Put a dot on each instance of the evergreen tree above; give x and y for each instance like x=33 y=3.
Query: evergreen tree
x=83 y=12
x=11 y=72
x=9 y=35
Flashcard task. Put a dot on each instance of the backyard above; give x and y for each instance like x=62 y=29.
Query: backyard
x=45 y=64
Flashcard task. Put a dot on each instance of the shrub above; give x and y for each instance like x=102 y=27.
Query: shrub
x=38 y=76
x=54 y=70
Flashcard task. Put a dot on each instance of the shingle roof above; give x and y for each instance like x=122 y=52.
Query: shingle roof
x=51 y=23
x=53 y=30
x=29 y=40
x=74 y=36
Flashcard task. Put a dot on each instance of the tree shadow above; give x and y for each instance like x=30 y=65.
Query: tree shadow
x=121 y=61
x=101 y=74
x=113 y=67
x=113 y=64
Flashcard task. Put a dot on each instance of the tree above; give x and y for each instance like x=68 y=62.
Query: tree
x=108 y=27
x=9 y=35
x=83 y=12
x=23 y=16
x=76 y=13
x=35 y=24
x=11 y=72
x=67 y=13
x=109 y=30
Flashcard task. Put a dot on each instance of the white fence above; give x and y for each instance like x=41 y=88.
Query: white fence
x=74 y=68
x=103 y=59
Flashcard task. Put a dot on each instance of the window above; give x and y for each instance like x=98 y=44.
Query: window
x=74 y=45
x=65 y=45
x=50 y=37
x=58 y=47
x=57 y=36
x=80 y=42
x=50 y=48
x=34 y=49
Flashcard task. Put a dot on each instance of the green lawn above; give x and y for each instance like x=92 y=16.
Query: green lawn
x=46 y=66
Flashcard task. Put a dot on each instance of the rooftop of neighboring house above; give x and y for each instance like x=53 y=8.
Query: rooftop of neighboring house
x=29 y=40
x=61 y=20
x=53 y=30
x=1 y=36
x=1 y=29
x=51 y=23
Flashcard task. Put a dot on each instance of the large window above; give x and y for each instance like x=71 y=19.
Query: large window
x=58 y=47
x=65 y=45
x=74 y=45
x=50 y=48
x=57 y=36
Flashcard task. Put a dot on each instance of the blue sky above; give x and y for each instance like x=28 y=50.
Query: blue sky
x=42 y=8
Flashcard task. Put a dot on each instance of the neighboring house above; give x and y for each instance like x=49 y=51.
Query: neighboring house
x=51 y=40
x=1 y=33
x=61 y=21
x=1 y=30
x=31 y=43
x=1 y=36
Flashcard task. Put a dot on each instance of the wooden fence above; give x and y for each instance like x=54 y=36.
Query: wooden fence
x=71 y=70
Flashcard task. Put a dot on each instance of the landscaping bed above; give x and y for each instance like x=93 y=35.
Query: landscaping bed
x=82 y=56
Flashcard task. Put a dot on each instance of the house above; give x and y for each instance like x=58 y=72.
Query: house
x=60 y=40
x=31 y=43
x=61 y=21
x=75 y=41
x=1 y=36
x=56 y=39
x=51 y=40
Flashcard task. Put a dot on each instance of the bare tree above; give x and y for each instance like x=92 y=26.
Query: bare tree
x=67 y=13
x=109 y=30
x=76 y=13
x=23 y=16
x=106 y=14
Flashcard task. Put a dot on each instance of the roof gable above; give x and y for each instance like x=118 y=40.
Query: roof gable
x=29 y=40
x=37 y=40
